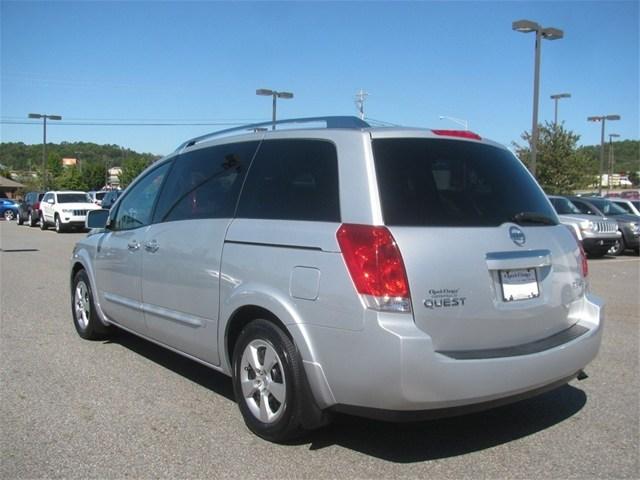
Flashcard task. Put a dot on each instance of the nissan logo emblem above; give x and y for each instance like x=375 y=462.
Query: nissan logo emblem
x=517 y=236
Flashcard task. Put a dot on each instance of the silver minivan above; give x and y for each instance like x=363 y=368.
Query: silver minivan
x=392 y=273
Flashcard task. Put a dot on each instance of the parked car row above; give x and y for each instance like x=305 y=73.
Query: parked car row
x=603 y=225
x=63 y=210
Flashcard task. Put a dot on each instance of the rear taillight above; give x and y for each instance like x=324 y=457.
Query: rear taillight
x=376 y=267
x=36 y=206
x=582 y=256
x=458 y=133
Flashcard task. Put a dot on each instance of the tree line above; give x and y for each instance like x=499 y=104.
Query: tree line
x=89 y=173
x=562 y=165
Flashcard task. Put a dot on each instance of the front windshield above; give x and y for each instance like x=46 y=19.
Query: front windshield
x=607 y=206
x=74 y=198
x=564 y=206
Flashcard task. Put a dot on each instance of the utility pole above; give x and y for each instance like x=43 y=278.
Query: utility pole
x=44 y=118
x=555 y=98
x=272 y=93
x=611 y=159
x=602 y=119
x=361 y=96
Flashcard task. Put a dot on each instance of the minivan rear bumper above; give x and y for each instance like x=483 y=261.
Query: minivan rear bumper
x=392 y=365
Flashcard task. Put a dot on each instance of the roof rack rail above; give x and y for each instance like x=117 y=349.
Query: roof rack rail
x=331 y=122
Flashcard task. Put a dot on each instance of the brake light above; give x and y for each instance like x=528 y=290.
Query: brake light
x=36 y=205
x=458 y=133
x=376 y=267
x=582 y=256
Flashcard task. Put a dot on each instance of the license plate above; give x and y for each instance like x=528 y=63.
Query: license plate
x=521 y=284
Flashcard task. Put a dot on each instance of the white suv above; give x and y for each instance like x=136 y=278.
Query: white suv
x=65 y=210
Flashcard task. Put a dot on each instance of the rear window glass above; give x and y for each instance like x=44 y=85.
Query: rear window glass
x=438 y=182
x=292 y=180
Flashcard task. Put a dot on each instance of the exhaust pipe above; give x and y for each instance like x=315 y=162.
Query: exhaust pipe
x=582 y=375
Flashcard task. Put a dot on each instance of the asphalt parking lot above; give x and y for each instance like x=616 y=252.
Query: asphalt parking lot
x=70 y=408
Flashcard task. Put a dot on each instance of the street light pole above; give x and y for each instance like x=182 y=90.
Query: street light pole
x=555 y=98
x=549 y=33
x=603 y=119
x=44 y=118
x=272 y=93
x=611 y=159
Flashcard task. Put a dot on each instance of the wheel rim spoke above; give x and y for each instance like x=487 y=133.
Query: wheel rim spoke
x=248 y=388
x=265 y=411
x=278 y=391
x=270 y=359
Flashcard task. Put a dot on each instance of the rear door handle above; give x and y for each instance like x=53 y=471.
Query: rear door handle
x=151 y=246
x=133 y=245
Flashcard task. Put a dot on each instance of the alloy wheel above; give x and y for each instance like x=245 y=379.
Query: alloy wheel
x=82 y=304
x=262 y=380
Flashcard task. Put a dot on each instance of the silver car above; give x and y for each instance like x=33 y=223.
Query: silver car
x=392 y=273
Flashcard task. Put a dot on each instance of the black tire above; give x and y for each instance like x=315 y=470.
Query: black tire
x=618 y=248
x=287 y=371
x=85 y=317
x=9 y=215
x=43 y=224
x=58 y=224
x=30 y=221
x=19 y=219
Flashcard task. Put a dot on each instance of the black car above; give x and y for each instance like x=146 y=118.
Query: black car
x=28 y=209
x=110 y=198
x=629 y=225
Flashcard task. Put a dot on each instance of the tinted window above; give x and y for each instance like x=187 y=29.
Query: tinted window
x=625 y=206
x=564 y=206
x=607 y=206
x=585 y=207
x=205 y=183
x=73 y=198
x=137 y=206
x=292 y=180
x=425 y=182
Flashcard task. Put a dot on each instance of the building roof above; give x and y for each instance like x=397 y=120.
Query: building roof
x=6 y=183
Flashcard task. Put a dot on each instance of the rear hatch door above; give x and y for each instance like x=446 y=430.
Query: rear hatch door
x=487 y=262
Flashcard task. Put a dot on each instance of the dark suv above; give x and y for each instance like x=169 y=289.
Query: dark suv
x=28 y=209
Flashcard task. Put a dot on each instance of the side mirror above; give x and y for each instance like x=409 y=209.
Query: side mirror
x=97 y=219
x=50 y=201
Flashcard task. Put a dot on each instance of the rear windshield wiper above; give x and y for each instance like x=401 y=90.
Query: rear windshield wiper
x=528 y=218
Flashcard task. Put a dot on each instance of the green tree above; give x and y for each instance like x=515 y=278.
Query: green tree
x=70 y=179
x=561 y=166
x=131 y=168
x=94 y=175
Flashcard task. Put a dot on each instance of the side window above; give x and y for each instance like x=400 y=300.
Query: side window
x=136 y=208
x=46 y=198
x=583 y=207
x=292 y=180
x=205 y=183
